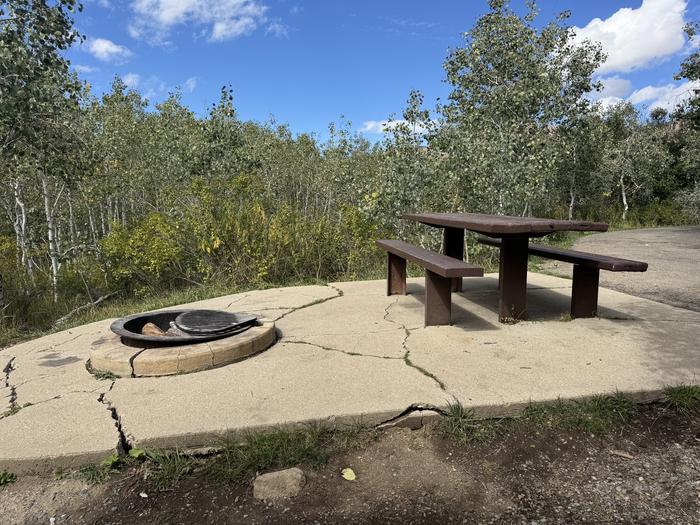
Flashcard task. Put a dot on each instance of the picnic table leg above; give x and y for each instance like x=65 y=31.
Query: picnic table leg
x=584 y=292
x=512 y=304
x=396 y=275
x=438 y=299
x=454 y=247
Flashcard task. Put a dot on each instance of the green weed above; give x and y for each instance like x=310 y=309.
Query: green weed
x=461 y=426
x=684 y=399
x=166 y=468
x=6 y=478
x=598 y=414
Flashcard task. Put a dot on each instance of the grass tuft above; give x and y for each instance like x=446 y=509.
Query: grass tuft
x=101 y=472
x=104 y=375
x=461 y=426
x=684 y=399
x=312 y=444
x=166 y=468
x=6 y=478
x=597 y=415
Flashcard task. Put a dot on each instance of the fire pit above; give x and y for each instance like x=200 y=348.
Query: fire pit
x=179 y=341
x=178 y=327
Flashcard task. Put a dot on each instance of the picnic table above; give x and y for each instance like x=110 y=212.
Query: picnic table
x=514 y=234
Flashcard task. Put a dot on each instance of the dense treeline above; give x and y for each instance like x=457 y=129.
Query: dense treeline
x=104 y=195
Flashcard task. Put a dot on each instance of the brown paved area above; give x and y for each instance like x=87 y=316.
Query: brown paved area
x=347 y=352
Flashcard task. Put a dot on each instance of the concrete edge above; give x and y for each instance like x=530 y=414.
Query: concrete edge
x=400 y=417
x=212 y=441
x=39 y=466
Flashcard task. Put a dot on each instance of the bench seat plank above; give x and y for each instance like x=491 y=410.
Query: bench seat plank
x=442 y=265
x=590 y=260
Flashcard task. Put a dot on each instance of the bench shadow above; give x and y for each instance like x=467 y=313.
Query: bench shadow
x=481 y=296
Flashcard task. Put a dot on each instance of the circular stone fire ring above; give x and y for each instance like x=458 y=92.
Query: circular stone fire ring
x=109 y=354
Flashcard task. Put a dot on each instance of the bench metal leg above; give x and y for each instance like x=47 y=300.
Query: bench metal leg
x=396 y=275
x=512 y=303
x=438 y=299
x=454 y=247
x=584 y=292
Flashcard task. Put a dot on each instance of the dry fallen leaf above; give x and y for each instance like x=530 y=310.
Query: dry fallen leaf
x=348 y=474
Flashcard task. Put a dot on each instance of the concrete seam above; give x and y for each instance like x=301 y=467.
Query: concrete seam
x=131 y=360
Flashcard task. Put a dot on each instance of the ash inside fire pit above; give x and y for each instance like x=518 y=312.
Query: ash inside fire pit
x=177 y=327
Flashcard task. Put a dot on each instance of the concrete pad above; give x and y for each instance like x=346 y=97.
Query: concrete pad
x=287 y=385
x=68 y=432
x=5 y=399
x=349 y=352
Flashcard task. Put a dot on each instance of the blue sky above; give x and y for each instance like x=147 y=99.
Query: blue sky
x=308 y=63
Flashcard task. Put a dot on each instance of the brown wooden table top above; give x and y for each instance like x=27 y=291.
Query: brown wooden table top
x=504 y=225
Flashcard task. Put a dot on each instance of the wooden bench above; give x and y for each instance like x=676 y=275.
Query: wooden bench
x=587 y=266
x=440 y=270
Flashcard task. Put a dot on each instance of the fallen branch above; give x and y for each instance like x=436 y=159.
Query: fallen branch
x=83 y=308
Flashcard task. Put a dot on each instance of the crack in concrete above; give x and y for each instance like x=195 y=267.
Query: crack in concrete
x=329 y=349
x=9 y=367
x=414 y=407
x=407 y=352
x=237 y=300
x=123 y=445
x=313 y=303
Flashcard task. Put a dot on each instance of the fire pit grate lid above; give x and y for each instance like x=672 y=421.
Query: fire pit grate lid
x=212 y=322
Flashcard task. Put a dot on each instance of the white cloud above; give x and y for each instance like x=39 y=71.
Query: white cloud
x=607 y=102
x=132 y=80
x=107 y=51
x=80 y=68
x=218 y=19
x=615 y=87
x=191 y=84
x=635 y=38
x=278 y=29
x=667 y=97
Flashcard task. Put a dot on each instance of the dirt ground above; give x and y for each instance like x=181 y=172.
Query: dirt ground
x=416 y=476
x=673 y=255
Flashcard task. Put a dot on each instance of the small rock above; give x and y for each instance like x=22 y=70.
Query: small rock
x=282 y=484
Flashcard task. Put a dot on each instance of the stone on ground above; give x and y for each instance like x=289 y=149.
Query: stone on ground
x=283 y=484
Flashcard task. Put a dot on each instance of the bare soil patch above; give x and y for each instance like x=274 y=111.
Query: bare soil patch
x=646 y=472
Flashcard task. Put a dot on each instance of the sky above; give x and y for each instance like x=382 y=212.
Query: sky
x=307 y=63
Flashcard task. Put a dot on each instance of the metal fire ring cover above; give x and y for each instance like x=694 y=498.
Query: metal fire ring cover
x=210 y=322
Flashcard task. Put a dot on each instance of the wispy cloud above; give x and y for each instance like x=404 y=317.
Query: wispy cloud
x=132 y=80
x=81 y=68
x=219 y=20
x=107 y=51
x=191 y=84
x=637 y=38
x=277 y=29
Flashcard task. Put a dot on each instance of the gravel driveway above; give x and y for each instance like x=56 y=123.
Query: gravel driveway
x=673 y=255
